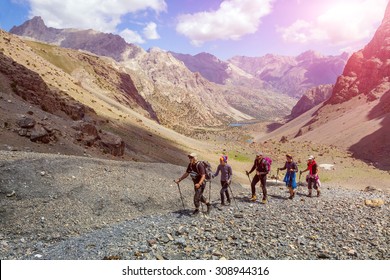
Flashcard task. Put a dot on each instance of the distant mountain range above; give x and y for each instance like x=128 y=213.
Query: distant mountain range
x=265 y=78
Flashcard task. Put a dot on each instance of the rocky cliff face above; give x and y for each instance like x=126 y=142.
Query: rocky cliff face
x=311 y=98
x=367 y=72
x=357 y=115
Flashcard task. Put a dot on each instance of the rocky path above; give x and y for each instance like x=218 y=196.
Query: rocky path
x=338 y=225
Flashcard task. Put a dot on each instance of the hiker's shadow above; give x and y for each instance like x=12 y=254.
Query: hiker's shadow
x=183 y=212
x=277 y=196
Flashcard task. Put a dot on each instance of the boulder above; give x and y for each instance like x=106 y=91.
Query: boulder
x=112 y=144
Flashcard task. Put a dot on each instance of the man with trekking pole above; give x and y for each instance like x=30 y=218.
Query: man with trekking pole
x=262 y=168
x=198 y=176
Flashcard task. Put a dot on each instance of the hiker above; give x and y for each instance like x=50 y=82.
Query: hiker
x=262 y=168
x=290 y=177
x=312 y=178
x=226 y=178
x=198 y=176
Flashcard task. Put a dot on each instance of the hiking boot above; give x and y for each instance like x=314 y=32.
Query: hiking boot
x=309 y=195
x=196 y=211
x=292 y=195
x=253 y=198
x=229 y=201
x=208 y=208
x=264 y=201
x=318 y=193
x=223 y=204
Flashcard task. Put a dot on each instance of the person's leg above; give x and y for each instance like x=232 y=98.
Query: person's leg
x=309 y=186
x=196 y=200
x=227 y=194
x=315 y=186
x=255 y=180
x=222 y=193
x=264 y=187
x=203 y=199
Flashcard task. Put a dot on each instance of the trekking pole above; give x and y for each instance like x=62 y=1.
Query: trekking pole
x=250 y=181
x=299 y=182
x=234 y=197
x=210 y=191
x=277 y=176
x=181 y=196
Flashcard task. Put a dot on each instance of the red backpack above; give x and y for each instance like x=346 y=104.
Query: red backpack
x=268 y=163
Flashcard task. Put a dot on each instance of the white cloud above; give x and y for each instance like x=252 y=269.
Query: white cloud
x=150 y=31
x=131 y=36
x=343 y=22
x=231 y=21
x=100 y=15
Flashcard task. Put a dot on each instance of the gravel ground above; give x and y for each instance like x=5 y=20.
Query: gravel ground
x=61 y=207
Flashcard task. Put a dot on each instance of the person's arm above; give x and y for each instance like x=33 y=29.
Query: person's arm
x=185 y=175
x=317 y=169
x=294 y=167
x=253 y=168
x=217 y=172
x=197 y=185
x=284 y=167
x=202 y=173
x=230 y=174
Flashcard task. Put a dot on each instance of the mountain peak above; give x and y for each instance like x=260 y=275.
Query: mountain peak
x=309 y=55
x=36 y=23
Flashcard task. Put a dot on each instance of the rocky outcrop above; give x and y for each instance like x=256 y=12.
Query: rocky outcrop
x=36 y=131
x=31 y=87
x=311 y=98
x=88 y=134
x=367 y=72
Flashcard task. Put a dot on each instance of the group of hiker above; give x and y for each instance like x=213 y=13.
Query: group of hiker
x=261 y=165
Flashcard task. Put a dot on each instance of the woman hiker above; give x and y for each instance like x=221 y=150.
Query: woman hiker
x=313 y=181
x=290 y=177
x=226 y=178
x=198 y=176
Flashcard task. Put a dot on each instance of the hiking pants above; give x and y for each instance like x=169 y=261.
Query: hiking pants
x=312 y=182
x=224 y=191
x=198 y=196
x=263 y=182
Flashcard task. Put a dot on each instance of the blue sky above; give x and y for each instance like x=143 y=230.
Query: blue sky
x=224 y=28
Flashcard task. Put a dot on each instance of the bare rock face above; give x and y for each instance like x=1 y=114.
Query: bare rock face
x=367 y=72
x=112 y=144
x=311 y=98
x=35 y=131
x=31 y=87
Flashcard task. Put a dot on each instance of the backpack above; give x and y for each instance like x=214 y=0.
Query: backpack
x=268 y=162
x=207 y=168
